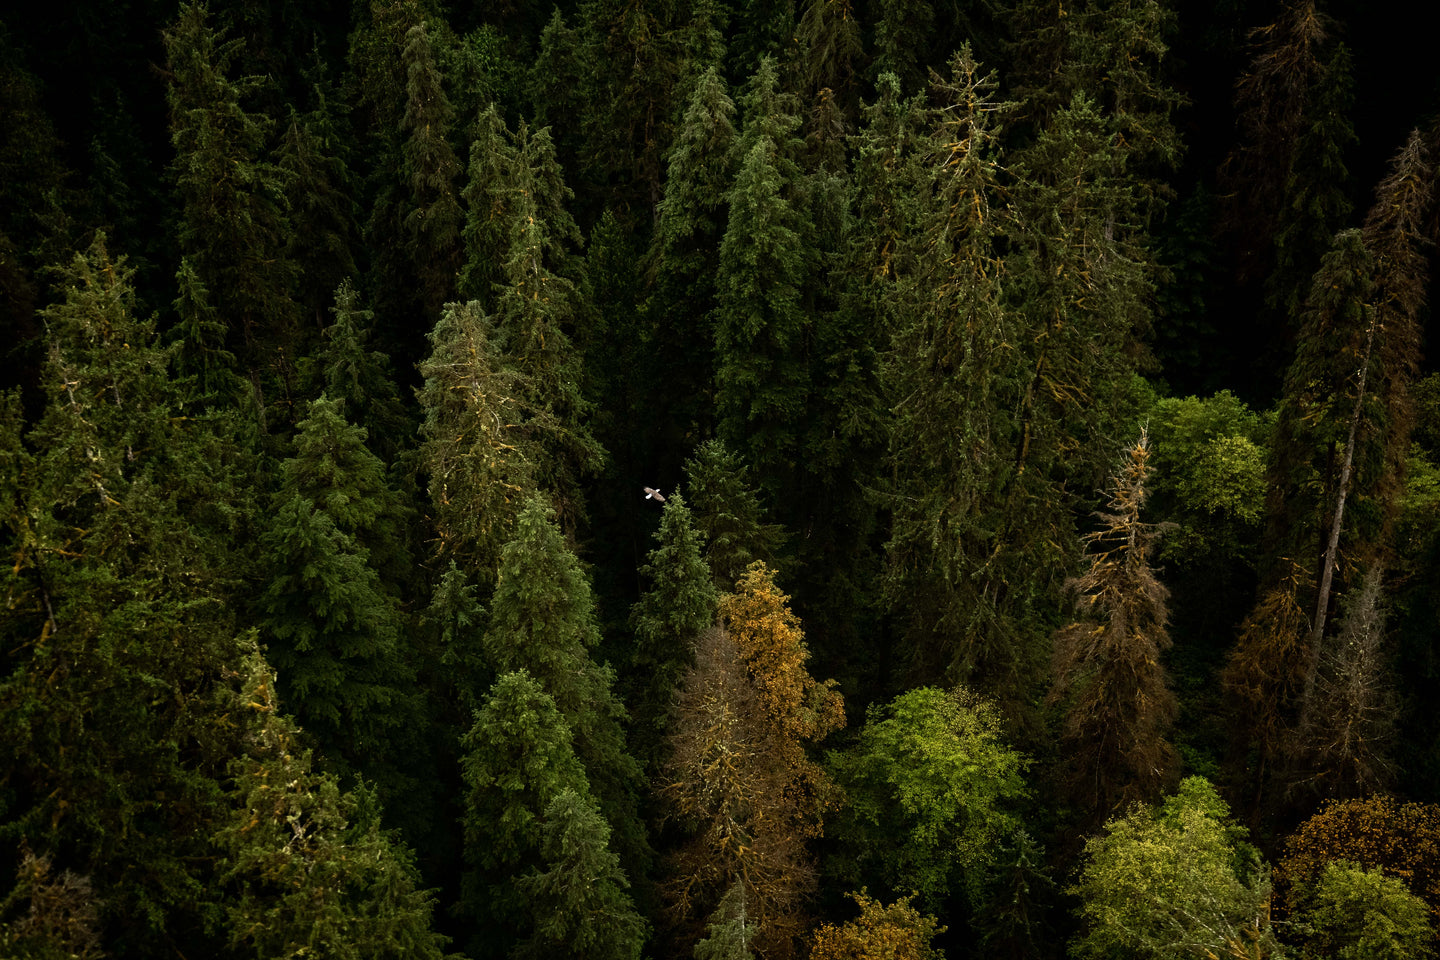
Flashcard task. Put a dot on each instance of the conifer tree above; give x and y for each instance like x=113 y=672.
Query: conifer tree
x=542 y=620
x=1108 y=674
x=680 y=603
x=478 y=465
x=320 y=190
x=830 y=55
x=970 y=556
x=359 y=377
x=730 y=930
x=517 y=758
x=488 y=201
x=307 y=867
x=333 y=627
x=202 y=362
x=728 y=513
x=761 y=327
x=739 y=776
x=433 y=215
x=118 y=619
x=233 y=225
x=578 y=898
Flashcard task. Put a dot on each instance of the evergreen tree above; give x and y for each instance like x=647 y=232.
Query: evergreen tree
x=313 y=156
x=542 y=620
x=971 y=555
x=730 y=930
x=517 y=758
x=1108 y=675
x=202 y=361
x=478 y=464
x=334 y=629
x=233 y=226
x=578 y=899
x=680 y=603
x=433 y=215
x=118 y=620
x=360 y=378
x=830 y=55
x=307 y=868
x=488 y=197
x=728 y=513
x=684 y=255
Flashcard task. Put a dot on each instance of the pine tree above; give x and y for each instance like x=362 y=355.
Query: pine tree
x=1108 y=674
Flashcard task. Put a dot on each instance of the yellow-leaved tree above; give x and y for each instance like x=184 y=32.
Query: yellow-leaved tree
x=739 y=779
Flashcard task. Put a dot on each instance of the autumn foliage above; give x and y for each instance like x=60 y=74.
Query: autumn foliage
x=1402 y=840
x=896 y=932
x=738 y=779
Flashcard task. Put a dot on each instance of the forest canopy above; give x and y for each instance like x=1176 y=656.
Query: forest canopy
x=821 y=479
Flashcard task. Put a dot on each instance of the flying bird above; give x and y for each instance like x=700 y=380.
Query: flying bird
x=652 y=493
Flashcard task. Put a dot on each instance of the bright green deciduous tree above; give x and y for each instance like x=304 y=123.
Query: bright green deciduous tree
x=1358 y=914
x=932 y=788
x=1177 y=880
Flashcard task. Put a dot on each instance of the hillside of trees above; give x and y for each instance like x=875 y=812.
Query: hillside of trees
x=814 y=479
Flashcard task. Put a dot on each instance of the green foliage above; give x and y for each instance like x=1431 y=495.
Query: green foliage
x=896 y=932
x=728 y=514
x=681 y=601
x=432 y=218
x=932 y=789
x=730 y=930
x=233 y=226
x=1176 y=880
x=578 y=899
x=307 y=868
x=1352 y=913
x=359 y=377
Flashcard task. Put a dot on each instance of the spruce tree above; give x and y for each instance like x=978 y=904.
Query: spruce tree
x=307 y=867
x=119 y=620
x=433 y=216
x=681 y=602
x=353 y=374
x=542 y=620
x=334 y=630
x=1108 y=672
x=478 y=464
x=728 y=513
x=233 y=228
x=578 y=899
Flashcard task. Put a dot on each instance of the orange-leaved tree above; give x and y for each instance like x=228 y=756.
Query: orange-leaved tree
x=738 y=778
x=896 y=932
x=1400 y=839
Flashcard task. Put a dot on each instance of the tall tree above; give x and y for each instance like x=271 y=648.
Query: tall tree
x=728 y=513
x=1108 y=671
x=542 y=620
x=307 y=867
x=680 y=603
x=739 y=777
x=433 y=215
x=233 y=225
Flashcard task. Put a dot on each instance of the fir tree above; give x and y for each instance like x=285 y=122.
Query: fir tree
x=233 y=225
x=680 y=603
x=1108 y=674
x=360 y=378
x=433 y=215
